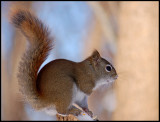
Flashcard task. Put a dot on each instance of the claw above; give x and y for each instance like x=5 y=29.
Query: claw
x=88 y=112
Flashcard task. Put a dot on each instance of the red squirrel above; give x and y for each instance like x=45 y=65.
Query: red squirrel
x=60 y=83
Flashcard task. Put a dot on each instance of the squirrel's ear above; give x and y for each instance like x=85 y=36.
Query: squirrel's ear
x=95 y=56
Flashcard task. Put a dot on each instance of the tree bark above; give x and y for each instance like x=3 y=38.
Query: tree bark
x=137 y=58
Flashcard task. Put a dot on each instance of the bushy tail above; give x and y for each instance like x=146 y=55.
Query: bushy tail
x=40 y=44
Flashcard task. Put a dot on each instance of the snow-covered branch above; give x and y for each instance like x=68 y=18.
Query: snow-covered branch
x=70 y=117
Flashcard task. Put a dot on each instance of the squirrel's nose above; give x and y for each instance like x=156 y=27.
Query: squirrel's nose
x=116 y=77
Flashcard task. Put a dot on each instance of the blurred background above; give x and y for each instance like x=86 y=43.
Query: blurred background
x=125 y=33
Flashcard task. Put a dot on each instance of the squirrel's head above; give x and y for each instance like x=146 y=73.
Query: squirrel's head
x=104 y=71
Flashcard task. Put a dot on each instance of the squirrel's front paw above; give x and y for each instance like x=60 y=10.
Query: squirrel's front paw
x=88 y=112
x=75 y=111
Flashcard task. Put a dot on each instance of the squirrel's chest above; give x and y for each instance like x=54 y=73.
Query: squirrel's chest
x=78 y=95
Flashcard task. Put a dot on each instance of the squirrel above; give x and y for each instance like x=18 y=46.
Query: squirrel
x=60 y=83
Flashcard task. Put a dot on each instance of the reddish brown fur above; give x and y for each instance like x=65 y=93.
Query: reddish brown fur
x=55 y=83
x=38 y=36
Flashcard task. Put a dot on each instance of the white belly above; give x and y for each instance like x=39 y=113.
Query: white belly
x=78 y=95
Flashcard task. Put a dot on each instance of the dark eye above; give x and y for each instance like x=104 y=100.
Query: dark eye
x=108 y=68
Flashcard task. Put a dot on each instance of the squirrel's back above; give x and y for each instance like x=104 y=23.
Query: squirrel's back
x=40 y=44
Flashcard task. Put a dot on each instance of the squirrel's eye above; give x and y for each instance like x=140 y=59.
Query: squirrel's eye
x=108 y=68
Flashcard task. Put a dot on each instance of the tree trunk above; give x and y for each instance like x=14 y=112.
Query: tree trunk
x=137 y=58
